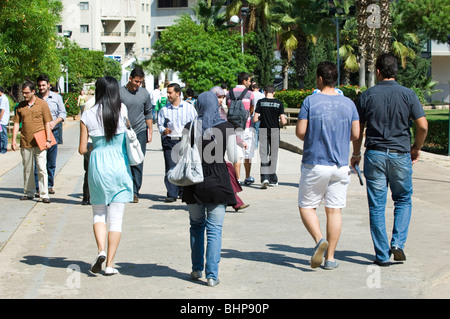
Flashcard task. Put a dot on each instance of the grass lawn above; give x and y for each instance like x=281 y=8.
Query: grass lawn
x=437 y=114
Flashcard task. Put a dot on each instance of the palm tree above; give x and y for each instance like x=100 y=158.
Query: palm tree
x=347 y=49
x=298 y=22
x=209 y=13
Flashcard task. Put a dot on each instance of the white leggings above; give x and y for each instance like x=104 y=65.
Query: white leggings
x=114 y=215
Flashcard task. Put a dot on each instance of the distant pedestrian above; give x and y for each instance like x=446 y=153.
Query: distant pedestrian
x=171 y=120
x=248 y=135
x=258 y=93
x=82 y=99
x=34 y=115
x=109 y=177
x=208 y=200
x=386 y=110
x=4 y=121
x=269 y=112
x=138 y=103
x=327 y=123
x=58 y=111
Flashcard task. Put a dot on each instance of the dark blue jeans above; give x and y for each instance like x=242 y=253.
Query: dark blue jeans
x=52 y=152
x=167 y=144
x=137 y=171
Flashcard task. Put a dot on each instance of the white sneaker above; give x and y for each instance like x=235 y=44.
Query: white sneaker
x=97 y=265
x=111 y=271
x=264 y=184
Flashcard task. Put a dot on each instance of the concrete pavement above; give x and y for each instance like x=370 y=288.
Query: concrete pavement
x=47 y=249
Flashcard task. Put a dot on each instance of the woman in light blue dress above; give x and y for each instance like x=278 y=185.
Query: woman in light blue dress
x=109 y=175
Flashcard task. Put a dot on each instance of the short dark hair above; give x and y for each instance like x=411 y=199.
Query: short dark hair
x=387 y=65
x=270 y=89
x=30 y=85
x=328 y=72
x=176 y=87
x=242 y=77
x=137 y=72
x=255 y=86
x=2 y=89
x=43 y=77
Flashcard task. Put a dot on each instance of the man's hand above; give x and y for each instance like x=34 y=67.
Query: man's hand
x=166 y=131
x=355 y=160
x=14 y=146
x=415 y=154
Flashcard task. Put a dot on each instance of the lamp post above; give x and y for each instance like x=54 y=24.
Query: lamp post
x=235 y=19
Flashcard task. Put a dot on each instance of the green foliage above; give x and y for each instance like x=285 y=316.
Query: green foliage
x=113 y=68
x=294 y=98
x=430 y=17
x=202 y=58
x=28 y=40
x=263 y=46
x=71 y=103
x=437 y=136
x=84 y=66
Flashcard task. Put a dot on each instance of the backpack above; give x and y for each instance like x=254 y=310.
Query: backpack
x=237 y=114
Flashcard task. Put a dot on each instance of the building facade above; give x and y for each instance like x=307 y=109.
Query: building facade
x=119 y=28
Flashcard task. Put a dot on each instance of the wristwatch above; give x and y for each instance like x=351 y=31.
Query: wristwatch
x=49 y=141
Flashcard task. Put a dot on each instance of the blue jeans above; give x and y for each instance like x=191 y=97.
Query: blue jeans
x=209 y=217
x=3 y=139
x=52 y=153
x=393 y=170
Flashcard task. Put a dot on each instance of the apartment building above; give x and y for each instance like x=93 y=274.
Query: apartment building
x=119 y=28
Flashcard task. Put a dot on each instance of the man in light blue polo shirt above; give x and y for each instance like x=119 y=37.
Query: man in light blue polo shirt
x=58 y=111
x=327 y=123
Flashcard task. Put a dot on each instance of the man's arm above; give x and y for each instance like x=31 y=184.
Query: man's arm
x=283 y=119
x=256 y=117
x=150 y=129
x=357 y=143
x=14 y=136
x=419 y=138
x=300 y=129
x=62 y=113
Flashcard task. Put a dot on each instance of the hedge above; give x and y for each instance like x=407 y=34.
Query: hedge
x=71 y=103
x=437 y=136
x=294 y=98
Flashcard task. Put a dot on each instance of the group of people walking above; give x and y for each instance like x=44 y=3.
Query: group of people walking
x=327 y=123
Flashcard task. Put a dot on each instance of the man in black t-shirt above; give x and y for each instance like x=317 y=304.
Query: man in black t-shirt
x=269 y=111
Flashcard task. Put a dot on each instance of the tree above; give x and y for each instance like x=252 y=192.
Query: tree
x=202 y=58
x=299 y=22
x=209 y=14
x=430 y=17
x=28 y=40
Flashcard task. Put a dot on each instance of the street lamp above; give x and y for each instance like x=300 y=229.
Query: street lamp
x=235 y=19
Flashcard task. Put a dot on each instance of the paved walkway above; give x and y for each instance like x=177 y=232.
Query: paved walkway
x=46 y=250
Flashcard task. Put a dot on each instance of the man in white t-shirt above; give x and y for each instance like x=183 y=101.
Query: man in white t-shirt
x=4 y=119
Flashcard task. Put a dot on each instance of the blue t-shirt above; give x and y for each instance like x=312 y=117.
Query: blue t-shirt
x=327 y=139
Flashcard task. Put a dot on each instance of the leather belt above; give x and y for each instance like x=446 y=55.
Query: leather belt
x=384 y=149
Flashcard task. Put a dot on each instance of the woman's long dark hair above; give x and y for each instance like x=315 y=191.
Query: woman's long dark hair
x=107 y=95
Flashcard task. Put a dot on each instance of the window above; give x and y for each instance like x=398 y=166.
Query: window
x=84 y=28
x=172 y=3
x=84 y=5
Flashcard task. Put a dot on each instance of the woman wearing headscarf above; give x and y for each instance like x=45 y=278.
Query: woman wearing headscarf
x=240 y=205
x=208 y=200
